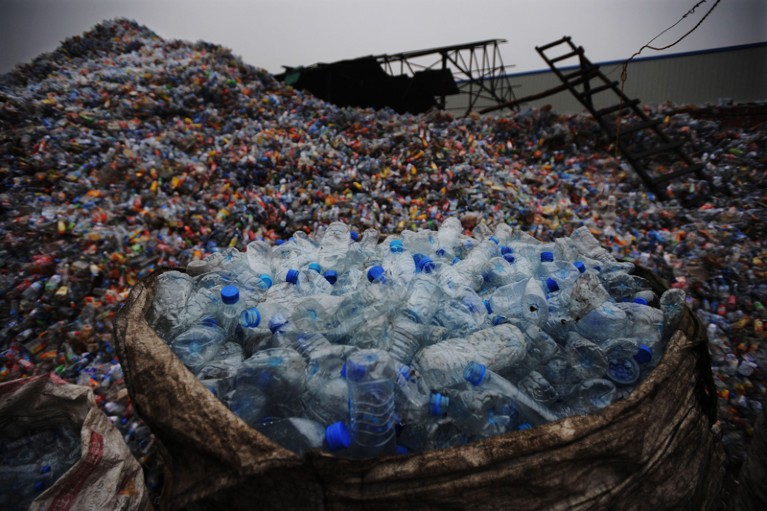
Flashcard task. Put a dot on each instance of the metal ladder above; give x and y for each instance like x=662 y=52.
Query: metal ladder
x=587 y=81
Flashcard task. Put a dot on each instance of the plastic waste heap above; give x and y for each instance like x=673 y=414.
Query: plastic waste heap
x=408 y=345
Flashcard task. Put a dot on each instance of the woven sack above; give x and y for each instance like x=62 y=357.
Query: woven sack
x=657 y=449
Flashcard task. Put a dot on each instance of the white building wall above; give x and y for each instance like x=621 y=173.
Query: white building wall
x=738 y=74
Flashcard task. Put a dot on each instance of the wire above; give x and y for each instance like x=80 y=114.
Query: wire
x=624 y=68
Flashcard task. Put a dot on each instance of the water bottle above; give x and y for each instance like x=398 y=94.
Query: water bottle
x=592 y=395
x=479 y=412
x=259 y=256
x=424 y=298
x=286 y=259
x=463 y=313
x=607 y=321
x=672 y=304
x=199 y=344
x=269 y=384
x=500 y=271
x=468 y=273
x=423 y=241
x=522 y=300
x=406 y=337
x=326 y=399
x=411 y=396
x=587 y=360
x=568 y=306
x=371 y=377
x=449 y=237
x=224 y=364
x=498 y=347
x=300 y=435
x=229 y=312
x=539 y=388
x=480 y=376
x=646 y=325
x=624 y=357
x=399 y=263
x=167 y=314
x=334 y=247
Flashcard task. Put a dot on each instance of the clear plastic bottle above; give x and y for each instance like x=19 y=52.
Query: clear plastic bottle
x=521 y=300
x=334 y=247
x=371 y=378
x=499 y=347
x=449 y=237
x=479 y=375
x=399 y=263
x=300 y=435
x=228 y=315
x=424 y=298
x=269 y=384
x=259 y=256
x=199 y=344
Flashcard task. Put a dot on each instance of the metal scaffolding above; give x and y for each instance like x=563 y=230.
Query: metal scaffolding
x=477 y=69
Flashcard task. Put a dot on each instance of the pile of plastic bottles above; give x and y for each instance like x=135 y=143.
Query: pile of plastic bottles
x=121 y=151
x=428 y=339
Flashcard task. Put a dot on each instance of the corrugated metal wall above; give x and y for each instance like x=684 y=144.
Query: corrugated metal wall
x=738 y=73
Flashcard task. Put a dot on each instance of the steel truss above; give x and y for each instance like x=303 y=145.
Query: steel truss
x=477 y=69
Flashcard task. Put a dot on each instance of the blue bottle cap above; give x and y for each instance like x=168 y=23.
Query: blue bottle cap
x=250 y=318
x=292 y=276
x=643 y=354
x=547 y=257
x=279 y=242
x=39 y=485
x=230 y=294
x=277 y=322
x=396 y=246
x=266 y=281
x=581 y=267
x=474 y=373
x=623 y=371
x=331 y=276
x=509 y=258
x=506 y=250
x=337 y=436
x=524 y=426
x=441 y=252
x=488 y=307
x=401 y=449
x=494 y=240
x=45 y=469
x=315 y=266
x=455 y=260
x=426 y=265
x=438 y=404
x=354 y=235
x=376 y=274
x=552 y=285
x=640 y=301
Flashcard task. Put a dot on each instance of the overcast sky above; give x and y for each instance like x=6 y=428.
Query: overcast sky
x=273 y=33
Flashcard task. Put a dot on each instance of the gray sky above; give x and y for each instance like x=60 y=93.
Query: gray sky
x=272 y=33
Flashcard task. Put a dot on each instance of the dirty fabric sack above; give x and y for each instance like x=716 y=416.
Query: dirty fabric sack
x=654 y=450
x=73 y=457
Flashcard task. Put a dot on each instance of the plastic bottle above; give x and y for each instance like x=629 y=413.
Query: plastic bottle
x=334 y=247
x=371 y=378
x=259 y=256
x=199 y=344
x=229 y=312
x=522 y=300
x=468 y=273
x=449 y=237
x=269 y=384
x=499 y=347
x=480 y=376
x=224 y=364
x=424 y=298
x=462 y=313
x=406 y=337
x=300 y=435
x=399 y=263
